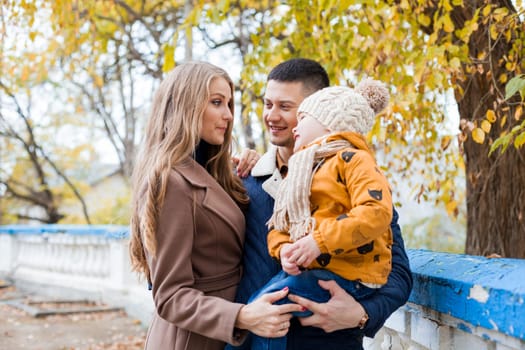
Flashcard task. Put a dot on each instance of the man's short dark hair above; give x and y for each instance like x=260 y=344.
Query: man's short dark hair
x=309 y=72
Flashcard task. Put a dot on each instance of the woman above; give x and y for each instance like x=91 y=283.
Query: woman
x=187 y=226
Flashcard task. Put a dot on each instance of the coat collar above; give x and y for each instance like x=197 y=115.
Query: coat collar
x=267 y=164
x=193 y=172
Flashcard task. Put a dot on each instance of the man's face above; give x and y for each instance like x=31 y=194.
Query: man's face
x=281 y=101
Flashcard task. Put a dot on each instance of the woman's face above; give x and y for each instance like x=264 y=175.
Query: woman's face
x=217 y=114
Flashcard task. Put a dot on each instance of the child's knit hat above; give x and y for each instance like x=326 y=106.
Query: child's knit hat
x=341 y=108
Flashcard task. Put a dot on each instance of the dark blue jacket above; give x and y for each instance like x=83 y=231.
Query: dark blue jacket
x=259 y=267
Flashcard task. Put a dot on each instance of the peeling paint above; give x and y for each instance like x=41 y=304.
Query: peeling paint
x=481 y=292
x=464 y=327
x=478 y=293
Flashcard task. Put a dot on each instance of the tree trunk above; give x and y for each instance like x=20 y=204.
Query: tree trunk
x=495 y=184
x=495 y=201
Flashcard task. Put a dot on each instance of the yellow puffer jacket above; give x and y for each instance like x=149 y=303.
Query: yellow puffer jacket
x=351 y=202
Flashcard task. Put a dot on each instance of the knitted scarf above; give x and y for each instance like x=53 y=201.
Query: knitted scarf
x=291 y=210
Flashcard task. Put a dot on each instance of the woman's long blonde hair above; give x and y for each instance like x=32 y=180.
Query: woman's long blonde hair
x=171 y=135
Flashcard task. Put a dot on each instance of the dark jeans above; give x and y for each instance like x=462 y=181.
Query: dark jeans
x=306 y=285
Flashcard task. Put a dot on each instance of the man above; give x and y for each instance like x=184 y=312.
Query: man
x=341 y=320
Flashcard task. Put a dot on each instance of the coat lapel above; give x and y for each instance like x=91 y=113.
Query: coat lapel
x=216 y=200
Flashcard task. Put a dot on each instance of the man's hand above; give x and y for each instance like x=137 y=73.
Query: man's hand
x=342 y=311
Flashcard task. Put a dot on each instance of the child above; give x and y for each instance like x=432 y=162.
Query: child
x=332 y=213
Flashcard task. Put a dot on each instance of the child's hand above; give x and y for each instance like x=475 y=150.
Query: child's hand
x=304 y=251
x=289 y=266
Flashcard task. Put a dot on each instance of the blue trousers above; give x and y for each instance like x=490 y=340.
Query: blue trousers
x=306 y=285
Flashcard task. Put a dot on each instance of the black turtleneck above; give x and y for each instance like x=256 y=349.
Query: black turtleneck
x=202 y=153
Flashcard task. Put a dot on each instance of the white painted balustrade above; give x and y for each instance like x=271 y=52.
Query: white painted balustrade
x=74 y=261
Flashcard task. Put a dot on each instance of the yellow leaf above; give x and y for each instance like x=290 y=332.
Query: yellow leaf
x=445 y=142
x=451 y=206
x=486 y=11
x=478 y=135
x=520 y=140
x=508 y=35
x=485 y=125
x=25 y=74
x=97 y=79
x=503 y=78
x=424 y=20
x=518 y=113
x=169 y=58
x=481 y=55
x=510 y=66
x=491 y=116
x=493 y=32
x=455 y=63
x=503 y=121
x=500 y=13
x=448 y=26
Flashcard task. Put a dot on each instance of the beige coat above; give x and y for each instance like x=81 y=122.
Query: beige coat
x=197 y=266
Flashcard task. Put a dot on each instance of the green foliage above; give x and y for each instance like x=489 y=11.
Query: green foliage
x=517 y=133
x=516 y=84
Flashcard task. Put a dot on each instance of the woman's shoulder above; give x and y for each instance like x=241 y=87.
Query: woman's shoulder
x=189 y=172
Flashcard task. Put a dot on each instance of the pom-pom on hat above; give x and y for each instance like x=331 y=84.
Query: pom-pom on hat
x=341 y=108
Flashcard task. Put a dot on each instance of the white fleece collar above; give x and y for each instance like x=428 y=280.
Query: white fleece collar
x=266 y=164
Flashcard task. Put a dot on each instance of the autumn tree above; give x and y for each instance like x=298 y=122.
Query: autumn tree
x=111 y=55
x=35 y=172
x=122 y=48
x=29 y=174
x=422 y=49
x=233 y=26
x=495 y=186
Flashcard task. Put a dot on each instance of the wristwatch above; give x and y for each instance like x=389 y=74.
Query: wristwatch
x=363 y=321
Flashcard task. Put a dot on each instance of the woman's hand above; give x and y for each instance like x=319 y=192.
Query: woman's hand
x=245 y=163
x=265 y=319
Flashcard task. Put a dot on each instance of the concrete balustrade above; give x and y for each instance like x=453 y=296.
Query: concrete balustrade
x=65 y=261
x=458 y=301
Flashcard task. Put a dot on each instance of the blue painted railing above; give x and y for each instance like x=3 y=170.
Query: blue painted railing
x=108 y=231
x=483 y=292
